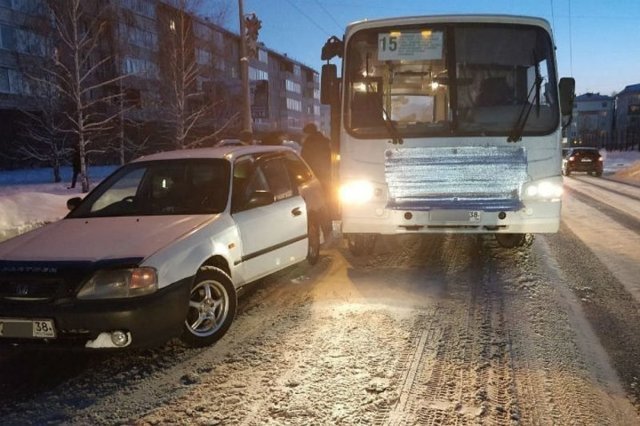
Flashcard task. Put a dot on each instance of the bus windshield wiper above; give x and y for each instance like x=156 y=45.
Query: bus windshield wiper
x=391 y=128
x=518 y=128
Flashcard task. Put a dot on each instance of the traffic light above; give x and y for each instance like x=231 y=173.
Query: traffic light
x=252 y=26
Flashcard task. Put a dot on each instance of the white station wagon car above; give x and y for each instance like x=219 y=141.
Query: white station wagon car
x=160 y=248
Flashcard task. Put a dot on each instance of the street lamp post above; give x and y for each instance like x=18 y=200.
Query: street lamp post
x=244 y=72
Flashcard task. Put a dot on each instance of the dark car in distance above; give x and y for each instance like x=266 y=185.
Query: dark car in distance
x=583 y=159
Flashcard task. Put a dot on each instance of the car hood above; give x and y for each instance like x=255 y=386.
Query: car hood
x=94 y=239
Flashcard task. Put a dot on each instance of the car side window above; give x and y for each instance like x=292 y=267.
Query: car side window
x=247 y=178
x=277 y=177
x=298 y=170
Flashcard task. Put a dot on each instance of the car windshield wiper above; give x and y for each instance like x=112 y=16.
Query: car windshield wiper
x=518 y=128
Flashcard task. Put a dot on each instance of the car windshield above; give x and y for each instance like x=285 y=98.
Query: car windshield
x=587 y=151
x=185 y=186
x=456 y=79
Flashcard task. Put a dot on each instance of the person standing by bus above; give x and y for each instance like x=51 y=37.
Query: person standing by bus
x=316 y=151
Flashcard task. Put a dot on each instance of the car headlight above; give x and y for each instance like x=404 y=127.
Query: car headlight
x=543 y=190
x=357 y=192
x=120 y=283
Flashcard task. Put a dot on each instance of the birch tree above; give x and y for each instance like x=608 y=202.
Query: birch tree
x=188 y=106
x=81 y=73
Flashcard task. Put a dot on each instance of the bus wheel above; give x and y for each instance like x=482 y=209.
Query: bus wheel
x=514 y=240
x=361 y=244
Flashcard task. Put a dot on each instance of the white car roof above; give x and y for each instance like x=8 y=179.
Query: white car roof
x=226 y=152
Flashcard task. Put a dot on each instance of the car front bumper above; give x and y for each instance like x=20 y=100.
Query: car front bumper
x=147 y=321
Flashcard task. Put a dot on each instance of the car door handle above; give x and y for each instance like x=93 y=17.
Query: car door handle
x=296 y=211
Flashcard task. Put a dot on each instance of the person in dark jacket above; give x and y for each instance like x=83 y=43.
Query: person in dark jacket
x=316 y=151
x=75 y=162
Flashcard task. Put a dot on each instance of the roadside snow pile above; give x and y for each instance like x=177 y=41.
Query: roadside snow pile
x=28 y=200
x=21 y=212
x=623 y=164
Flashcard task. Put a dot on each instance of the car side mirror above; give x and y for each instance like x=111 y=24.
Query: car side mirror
x=260 y=198
x=567 y=87
x=74 y=202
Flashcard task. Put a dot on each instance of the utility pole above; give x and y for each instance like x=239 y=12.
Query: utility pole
x=244 y=72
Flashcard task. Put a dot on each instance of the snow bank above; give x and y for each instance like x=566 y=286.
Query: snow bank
x=28 y=199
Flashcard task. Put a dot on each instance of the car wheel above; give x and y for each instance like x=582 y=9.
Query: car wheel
x=212 y=307
x=313 y=252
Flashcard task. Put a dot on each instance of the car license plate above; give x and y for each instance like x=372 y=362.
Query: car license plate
x=586 y=160
x=25 y=328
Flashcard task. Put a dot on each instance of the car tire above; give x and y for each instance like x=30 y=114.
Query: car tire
x=212 y=307
x=313 y=233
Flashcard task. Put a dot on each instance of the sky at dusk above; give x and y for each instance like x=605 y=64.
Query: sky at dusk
x=598 y=42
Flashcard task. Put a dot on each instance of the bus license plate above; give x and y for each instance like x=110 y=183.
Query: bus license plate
x=475 y=216
x=29 y=329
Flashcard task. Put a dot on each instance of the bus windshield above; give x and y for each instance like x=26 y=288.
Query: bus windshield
x=450 y=80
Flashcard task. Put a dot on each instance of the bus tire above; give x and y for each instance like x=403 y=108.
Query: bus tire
x=361 y=244
x=511 y=240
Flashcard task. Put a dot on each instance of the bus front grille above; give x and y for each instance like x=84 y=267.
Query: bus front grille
x=469 y=178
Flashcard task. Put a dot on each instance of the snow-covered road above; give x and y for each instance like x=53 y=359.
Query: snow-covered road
x=426 y=330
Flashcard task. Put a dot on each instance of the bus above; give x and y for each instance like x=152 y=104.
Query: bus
x=447 y=124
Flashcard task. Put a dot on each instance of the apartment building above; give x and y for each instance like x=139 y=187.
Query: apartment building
x=593 y=117
x=284 y=92
x=627 y=123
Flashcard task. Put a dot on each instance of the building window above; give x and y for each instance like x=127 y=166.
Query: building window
x=30 y=43
x=296 y=70
x=7 y=37
x=4 y=81
x=256 y=74
x=203 y=57
x=11 y=81
x=142 y=7
x=292 y=86
x=263 y=56
x=140 y=67
x=31 y=7
x=294 y=105
x=202 y=31
x=139 y=37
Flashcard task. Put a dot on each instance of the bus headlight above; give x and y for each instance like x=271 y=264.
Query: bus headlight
x=543 y=190
x=357 y=192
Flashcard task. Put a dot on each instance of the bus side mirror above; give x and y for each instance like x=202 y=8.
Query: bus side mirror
x=329 y=85
x=567 y=88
